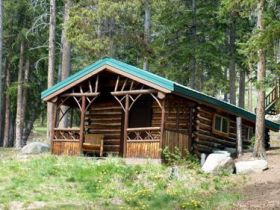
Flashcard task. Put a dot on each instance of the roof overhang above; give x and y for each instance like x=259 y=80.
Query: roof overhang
x=59 y=88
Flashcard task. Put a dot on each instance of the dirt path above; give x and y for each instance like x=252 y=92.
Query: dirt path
x=263 y=190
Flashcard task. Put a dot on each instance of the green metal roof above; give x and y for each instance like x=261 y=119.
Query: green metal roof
x=160 y=81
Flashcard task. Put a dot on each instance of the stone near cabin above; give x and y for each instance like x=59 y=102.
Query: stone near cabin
x=216 y=162
x=35 y=148
x=251 y=166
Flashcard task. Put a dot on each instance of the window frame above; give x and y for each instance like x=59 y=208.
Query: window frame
x=247 y=129
x=220 y=132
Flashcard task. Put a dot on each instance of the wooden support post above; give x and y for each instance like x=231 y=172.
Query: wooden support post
x=162 y=124
x=126 y=113
x=53 y=125
x=82 y=123
x=190 y=127
x=239 y=135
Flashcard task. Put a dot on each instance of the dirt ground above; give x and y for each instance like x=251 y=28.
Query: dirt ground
x=262 y=191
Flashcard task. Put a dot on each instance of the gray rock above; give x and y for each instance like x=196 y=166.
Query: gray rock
x=35 y=148
x=36 y=205
x=217 y=162
x=16 y=205
x=251 y=166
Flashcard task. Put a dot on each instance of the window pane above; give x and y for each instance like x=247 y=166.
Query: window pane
x=225 y=126
x=218 y=122
x=250 y=133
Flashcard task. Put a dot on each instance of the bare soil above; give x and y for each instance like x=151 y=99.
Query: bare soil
x=262 y=191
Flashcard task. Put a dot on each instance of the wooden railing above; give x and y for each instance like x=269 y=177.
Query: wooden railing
x=143 y=134
x=272 y=97
x=66 y=134
x=143 y=142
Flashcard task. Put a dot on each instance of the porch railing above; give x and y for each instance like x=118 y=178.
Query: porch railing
x=66 y=134
x=145 y=134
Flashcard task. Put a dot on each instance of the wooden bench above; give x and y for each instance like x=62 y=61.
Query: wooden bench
x=93 y=143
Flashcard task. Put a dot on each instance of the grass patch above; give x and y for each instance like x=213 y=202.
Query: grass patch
x=83 y=183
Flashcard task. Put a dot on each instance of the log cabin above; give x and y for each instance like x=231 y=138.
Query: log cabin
x=139 y=113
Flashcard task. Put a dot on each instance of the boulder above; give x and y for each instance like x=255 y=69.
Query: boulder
x=250 y=166
x=35 y=148
x=216 y=162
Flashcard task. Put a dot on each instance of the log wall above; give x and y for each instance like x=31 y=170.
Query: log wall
x=178 y=124
x=105 y=117
x=205 y=141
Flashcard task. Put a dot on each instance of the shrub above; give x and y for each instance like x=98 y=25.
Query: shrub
x=177 y=158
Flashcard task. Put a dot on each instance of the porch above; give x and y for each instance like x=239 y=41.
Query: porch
x=130 y=115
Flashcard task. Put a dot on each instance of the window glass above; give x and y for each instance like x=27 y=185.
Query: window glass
x=225 y=125
x=221 y=124
x=249 y=132
x=218 y=123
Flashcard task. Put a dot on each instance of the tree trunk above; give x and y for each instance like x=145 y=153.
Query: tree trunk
x=193 y=35
x=241 y=101
x=66 y=58
x=259 y=150
x=19 y=117
x=250 y=88
x=1 y=72
x=239 y=135
x=24 y=96
x=147 y=28
x=29 y=124
x=51 y=66
x=6 y=138
x=226 y=77
x=232 y=72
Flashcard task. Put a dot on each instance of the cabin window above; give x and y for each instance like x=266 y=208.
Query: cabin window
x=249 y=132
x=221 y=125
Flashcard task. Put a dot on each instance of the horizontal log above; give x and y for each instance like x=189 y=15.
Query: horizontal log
x=204 y=127
x=105 y=113
x=104 y=120
x=134 y=92
x=203 y=148
x=80 y=94
x=66 y=129
x=182 y=131
x=96 y=131
x=66 y=140
x=218 y=140
x=112 y=141
x=206 y=115
x=93 y=108
x=143 y=129
x=111 y=148
x=205 y=109
x=199 y=116
x=143 y=141
x=207 y=143
x=206 y=123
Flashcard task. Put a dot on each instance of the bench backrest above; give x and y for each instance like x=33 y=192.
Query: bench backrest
x=94 y=138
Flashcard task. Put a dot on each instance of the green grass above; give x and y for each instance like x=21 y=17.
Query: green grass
x=82 y=183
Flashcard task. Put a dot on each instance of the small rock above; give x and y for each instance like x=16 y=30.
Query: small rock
x=2 y=207
x=16 y=205
x=251 y=166
x=174 y=174
x=36 y=205
x=35 y=148
x=216 y=162
x=116 y=201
